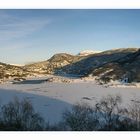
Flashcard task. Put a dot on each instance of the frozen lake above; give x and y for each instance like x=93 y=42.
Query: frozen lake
x=50 y=99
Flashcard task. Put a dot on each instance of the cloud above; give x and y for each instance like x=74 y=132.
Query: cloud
x=17 y=27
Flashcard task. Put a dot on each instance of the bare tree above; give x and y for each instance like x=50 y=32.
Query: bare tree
x=20 y=115
x=80 y=118
x=134 y=114
x=108 y=111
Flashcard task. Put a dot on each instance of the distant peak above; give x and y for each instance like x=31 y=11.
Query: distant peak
x=88 y=52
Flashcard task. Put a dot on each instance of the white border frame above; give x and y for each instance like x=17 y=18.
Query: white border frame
x=69 y=4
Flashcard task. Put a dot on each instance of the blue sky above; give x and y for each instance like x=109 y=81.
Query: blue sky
x=34 y=35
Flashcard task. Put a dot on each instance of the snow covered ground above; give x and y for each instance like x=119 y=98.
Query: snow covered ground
x=51 y=99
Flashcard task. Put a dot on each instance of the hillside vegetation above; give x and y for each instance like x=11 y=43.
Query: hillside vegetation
x=116 y=64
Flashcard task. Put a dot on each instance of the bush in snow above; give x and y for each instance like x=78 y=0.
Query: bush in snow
x=134 y=114
x=80 y=118
x=107 y=115
x=112 y=117
x=20 y=115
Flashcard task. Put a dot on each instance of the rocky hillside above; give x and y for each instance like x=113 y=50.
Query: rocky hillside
x=117 y=64
x=120 y=64
x=55 y=62
x=89 y=63
x=9 y=71
x=126 y=69
x=108 y=65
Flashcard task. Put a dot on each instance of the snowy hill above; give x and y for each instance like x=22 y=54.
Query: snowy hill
x=88 y=52
x=91 y=62
x=108 y=65
x=51 y=65
x=10 y=71
x=125 y=69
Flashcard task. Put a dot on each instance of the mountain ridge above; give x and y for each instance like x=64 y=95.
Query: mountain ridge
x=107 y=65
